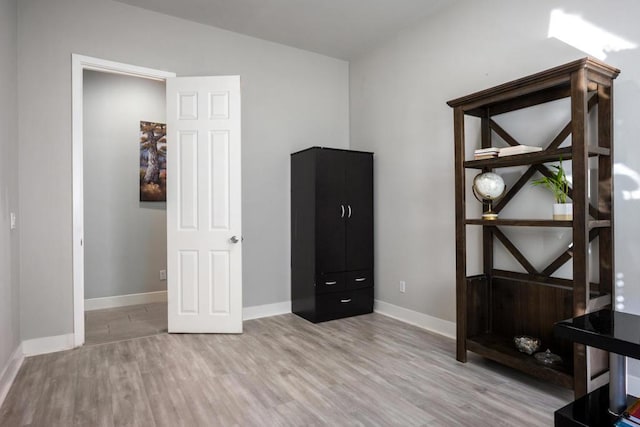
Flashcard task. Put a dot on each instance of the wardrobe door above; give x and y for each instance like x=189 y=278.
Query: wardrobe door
x=330 y=211
x=359 y=196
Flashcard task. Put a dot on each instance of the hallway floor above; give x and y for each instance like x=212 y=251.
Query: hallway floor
x=122 y=323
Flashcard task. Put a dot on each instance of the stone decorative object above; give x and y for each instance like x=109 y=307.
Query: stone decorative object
x=527 y=344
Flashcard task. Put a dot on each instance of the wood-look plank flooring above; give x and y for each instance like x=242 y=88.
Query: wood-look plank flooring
x=283 y=371
x=117 y=324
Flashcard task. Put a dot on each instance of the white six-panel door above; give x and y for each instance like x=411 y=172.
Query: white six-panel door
x=204 y=243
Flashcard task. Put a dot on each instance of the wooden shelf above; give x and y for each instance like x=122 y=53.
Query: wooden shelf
x=519 y=222
x=531 y=223
x=603 y=223
x=501 y=349
x=536 y=158
x=540 y=279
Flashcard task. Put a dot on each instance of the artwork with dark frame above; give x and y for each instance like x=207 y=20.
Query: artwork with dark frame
x=153 y=162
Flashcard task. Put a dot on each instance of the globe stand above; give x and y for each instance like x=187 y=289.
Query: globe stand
x=489 y=215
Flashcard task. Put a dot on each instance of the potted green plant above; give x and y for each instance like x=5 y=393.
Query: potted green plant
x=558 y=184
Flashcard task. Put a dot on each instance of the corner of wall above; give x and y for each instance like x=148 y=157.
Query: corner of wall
x=10 y=371
x=10 y=348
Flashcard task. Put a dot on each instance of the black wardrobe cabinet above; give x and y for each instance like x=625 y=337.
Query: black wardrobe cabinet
x=331 y=233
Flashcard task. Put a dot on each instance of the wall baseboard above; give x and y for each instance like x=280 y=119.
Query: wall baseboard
x=124 y=300
x=421 y=320
x=248 y=313
x=44 y=345
x=266 y=310
x=10 y=371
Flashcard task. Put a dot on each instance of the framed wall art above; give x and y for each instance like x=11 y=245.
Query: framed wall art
x=153 y=162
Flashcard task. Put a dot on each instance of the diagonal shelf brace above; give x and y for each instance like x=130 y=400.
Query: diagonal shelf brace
x=514 y=189
x=566 y=256
x=564 y=133
x=559 y=139
x=502 y=133
x=514 y=251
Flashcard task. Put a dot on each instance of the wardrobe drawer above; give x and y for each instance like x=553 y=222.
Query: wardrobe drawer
x=359 y=279
x=330 y=282
x=335 y=305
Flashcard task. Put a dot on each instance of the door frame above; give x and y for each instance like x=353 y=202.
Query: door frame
x=79 y=63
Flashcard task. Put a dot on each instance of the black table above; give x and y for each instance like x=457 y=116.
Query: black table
x=619 y=334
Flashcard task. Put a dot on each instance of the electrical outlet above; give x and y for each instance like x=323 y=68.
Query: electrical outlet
x=163 y=274
x=403 y=286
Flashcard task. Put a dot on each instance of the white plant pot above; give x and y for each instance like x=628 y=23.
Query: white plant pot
x=563 y=211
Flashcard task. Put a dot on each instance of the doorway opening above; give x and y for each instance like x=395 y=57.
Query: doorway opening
x=125 y=236
x=203 y=197
x=119 y=227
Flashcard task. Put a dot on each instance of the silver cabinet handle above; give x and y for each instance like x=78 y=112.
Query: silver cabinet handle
x=234 y=239
x=349 y=216
x=342 y=209
x=345 y=301
x=330 y=283
x=361 y=279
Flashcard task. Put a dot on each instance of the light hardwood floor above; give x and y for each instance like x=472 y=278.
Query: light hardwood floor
x=117 y=324
x=283 y=371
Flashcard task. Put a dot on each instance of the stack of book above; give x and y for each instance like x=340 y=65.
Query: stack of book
x=486 y=153
x=518 y=149
x=493 y=152
x=631 y=416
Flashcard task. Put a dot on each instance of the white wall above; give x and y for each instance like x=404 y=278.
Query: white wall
x=125 y=240
x=398 y=110
x=9 y=266
x=291 y=99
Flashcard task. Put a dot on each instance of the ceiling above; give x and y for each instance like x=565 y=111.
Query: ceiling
x=338 y=28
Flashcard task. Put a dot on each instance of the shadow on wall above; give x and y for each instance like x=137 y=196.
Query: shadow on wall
x=621 y=50
x=627 y=196
x=603 y=36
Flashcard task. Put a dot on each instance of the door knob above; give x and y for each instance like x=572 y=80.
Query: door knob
x=234 y=239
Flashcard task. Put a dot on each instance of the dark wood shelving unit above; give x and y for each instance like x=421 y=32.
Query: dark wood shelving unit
x=496 y=305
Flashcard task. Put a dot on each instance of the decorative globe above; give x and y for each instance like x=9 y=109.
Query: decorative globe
x=488 y=186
